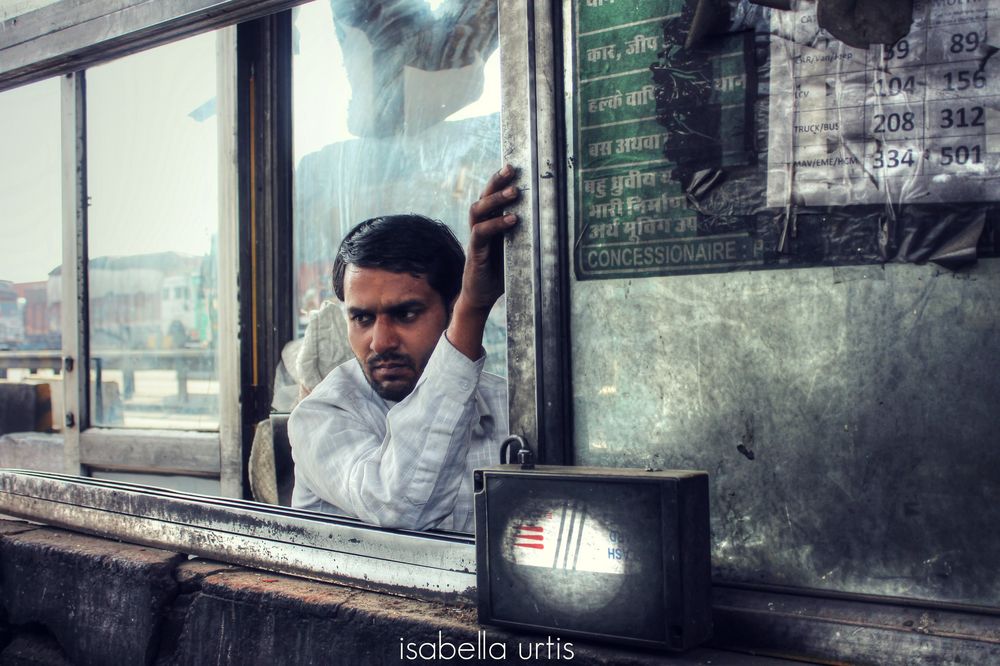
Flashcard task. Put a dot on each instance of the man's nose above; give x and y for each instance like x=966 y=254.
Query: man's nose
x=384 y=336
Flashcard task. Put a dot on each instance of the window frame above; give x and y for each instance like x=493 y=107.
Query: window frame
x=538 y=368
x=264 y=127
x=439 y=567
x=175 y=452
x=69 y=36
x=61 y=39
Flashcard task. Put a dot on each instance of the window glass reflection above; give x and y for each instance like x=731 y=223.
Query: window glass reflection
x=153 y=185
x=30 y=229
x=396 y=110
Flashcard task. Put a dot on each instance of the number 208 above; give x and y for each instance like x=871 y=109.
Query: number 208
x=893 y=122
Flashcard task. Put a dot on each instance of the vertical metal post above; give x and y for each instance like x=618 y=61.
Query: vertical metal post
x=552 y=251
x=74 y=308
x=267 y=309
x=228 y=343
x=537 y=361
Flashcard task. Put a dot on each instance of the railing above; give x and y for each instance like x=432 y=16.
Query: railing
x=29 y=360
x=183 y=362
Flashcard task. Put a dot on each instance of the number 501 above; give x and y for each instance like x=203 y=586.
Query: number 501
x=961 y=155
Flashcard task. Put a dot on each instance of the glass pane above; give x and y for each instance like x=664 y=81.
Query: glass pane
x=749 y=297
x=395 y=111
x=153 y=185
x=31 y=233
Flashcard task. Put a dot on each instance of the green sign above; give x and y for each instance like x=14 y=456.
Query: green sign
x=647 y=113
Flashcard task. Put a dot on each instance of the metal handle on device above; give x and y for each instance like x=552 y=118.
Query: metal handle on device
x=523 y=452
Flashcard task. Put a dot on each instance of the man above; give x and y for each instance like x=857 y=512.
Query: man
x=393 y=436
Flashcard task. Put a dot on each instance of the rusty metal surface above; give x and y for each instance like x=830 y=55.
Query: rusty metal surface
x=536 y=255
x=440 y=566
x=521 y=278
x=845 y=631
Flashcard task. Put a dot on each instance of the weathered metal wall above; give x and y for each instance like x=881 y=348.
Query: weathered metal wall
x=848 y=417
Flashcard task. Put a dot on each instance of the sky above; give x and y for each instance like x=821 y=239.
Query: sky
x=152 y=168
x=30 y=203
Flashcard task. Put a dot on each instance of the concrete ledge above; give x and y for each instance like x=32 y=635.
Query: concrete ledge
x=69 y=598
x=102 y=600
x=241 y=616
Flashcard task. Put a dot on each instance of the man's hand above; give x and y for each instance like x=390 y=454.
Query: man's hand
x=482 y=282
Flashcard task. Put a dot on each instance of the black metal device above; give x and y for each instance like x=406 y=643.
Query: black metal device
x=605 y=554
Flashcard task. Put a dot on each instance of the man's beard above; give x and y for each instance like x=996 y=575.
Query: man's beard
x=391 y=389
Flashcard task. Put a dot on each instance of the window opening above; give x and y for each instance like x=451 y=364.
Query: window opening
x=30 y=268
x=153 y=238
x=395 y=110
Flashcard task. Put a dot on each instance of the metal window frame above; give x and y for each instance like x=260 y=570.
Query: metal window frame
x=538 y=368
x=440 y=567
x=73 y=276
x=264 y=83
x=120 y=449
x=71 y=35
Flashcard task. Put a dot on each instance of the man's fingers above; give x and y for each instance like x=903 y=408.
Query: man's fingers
x=485 y=207
x=498 y=180
x=485 y=231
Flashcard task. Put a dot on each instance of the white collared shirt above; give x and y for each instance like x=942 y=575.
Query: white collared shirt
x=407 y=464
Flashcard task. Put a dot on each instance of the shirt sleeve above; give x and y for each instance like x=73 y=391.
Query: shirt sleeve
x=405 y=472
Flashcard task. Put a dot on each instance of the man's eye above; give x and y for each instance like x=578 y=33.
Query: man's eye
x=362 y=319
x=409 y=315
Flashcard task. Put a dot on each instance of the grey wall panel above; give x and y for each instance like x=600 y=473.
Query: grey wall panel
x=848 y=417
x=70 y=35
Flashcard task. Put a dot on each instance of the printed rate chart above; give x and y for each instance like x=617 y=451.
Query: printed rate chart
x=915 y=122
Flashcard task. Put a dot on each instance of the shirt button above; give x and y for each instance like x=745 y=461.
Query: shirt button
x=464 y=384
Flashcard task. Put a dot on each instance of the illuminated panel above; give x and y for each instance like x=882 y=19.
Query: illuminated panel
x=614 y=554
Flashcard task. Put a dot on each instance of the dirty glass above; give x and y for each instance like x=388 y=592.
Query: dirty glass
x=396 y=110
x=31 y=233
x=844 y=405
x=153 y=233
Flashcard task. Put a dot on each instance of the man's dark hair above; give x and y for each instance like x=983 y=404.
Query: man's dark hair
x=404 y=244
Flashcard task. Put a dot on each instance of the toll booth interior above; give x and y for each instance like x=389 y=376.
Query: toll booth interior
x=758 y=238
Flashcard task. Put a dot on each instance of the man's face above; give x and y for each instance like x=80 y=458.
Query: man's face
x=394 y=321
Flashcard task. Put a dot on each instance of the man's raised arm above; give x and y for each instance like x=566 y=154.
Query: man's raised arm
x=482 y=281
